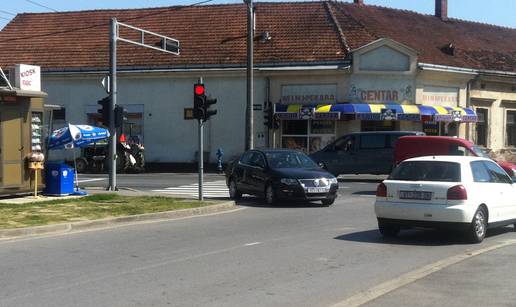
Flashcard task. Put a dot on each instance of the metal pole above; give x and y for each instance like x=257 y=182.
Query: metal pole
x=249 y=142
x=113 y=94
x=200 y=158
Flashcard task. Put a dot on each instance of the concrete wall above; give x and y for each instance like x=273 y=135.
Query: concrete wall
x=168 y=137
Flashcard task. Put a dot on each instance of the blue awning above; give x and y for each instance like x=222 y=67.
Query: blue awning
x=366 y=111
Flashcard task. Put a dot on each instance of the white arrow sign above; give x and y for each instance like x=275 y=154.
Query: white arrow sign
x=105 y=83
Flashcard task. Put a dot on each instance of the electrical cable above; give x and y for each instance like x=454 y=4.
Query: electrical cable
x=174 y=8
x=41 y=5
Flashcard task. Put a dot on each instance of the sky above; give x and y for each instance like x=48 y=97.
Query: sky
x=497 y=12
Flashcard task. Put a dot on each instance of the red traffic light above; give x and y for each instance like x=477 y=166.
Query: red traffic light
x=199 y=89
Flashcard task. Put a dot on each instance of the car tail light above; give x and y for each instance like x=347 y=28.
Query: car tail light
x=381 y=191
x=457 y=192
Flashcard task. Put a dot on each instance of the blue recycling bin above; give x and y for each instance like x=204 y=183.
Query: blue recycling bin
x=59 y=179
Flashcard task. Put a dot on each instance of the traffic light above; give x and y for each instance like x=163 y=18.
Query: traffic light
x=199 y=101
x=103 y=111
x=267 y=118
x=120 y=116
x=207 y=112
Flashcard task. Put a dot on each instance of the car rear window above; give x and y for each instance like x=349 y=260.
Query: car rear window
x=427 y=171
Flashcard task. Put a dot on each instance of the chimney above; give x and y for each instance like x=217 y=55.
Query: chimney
x=359 y=2
x=441 y=9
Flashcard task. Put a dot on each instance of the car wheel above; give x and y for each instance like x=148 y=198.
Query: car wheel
x=478 y=228
x=270 y=195
x=234 y=193
x=388 y=230
x=328 y=202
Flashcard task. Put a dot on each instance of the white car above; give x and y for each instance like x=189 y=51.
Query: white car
x=467 y=193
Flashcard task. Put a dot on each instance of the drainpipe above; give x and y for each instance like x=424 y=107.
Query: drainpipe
x=268 y=105
x=468 y=105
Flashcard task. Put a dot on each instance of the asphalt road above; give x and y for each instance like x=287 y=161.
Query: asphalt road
x=287 y=255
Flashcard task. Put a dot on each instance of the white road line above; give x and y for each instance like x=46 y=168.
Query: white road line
x=251 y=244
x=375 y=292
x=93 y=179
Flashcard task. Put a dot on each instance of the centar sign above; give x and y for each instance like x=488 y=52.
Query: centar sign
x=28 y=77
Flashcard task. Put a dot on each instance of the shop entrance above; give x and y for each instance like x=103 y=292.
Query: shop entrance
x=307 y=135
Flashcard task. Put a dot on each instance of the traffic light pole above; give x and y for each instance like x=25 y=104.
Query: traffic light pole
x=249 y=133
x=168 y=45
x=113 y=93
x=200 y=158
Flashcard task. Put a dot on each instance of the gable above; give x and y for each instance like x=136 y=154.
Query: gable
x=384 y=58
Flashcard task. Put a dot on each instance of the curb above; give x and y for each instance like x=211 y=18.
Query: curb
x=7 y=234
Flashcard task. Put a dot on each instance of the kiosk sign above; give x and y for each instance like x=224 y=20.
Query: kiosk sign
x=28 y=77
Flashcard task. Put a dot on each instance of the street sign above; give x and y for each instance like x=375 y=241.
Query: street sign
x=188 y=113
x=105 y=83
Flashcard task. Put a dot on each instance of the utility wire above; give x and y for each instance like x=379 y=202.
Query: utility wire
x=4 y=18
x=174 y=8
x=41 y=5
x=6 y=12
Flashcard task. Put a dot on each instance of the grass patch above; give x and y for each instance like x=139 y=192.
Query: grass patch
x=88 y=208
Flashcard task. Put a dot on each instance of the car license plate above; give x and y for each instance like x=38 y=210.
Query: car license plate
x=317 y=190
x=421 y=195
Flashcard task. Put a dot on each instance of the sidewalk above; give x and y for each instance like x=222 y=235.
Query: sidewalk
x=483 y=280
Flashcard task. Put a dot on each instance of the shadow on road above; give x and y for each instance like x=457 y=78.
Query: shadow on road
x=260 y=203
x=364 y=193
x=360 y=180
x=420 y=237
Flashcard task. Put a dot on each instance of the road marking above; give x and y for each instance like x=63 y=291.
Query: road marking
x=93 y=179
x=251 y=244
x=375 y=292
x=211 y=189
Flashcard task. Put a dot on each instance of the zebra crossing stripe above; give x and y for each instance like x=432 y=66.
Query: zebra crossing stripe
x=214 y=189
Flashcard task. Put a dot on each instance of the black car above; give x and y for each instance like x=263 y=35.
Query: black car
x=280 y=174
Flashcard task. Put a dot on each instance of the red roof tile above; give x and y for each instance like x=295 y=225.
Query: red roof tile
x=478 y=46
x=209 y=35
x=215 y=35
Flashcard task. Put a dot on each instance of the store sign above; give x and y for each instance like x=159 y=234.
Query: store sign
x=327 y=115
x=389 y=114
x=311 y=94
x=441 y=96
x=28 y=77
x=380 y=90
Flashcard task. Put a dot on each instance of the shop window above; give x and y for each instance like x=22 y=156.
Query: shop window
x=431 y=128
x=481 y=127
x=379 y=125
x=307 y=135
x=295 y=127
x=59 y=114
x=511 y=128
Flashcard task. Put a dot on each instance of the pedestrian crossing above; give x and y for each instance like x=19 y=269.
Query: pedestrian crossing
x=211 y=189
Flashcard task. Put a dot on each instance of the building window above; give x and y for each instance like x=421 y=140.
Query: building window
x=379 y=125
x=511 y=128
x=482 y=126
x=307 y=135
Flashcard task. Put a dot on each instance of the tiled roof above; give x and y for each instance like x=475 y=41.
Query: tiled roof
x=209 y=35
x=215 y=35
x=477 y=45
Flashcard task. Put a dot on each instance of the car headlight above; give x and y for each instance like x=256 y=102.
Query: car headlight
x=288 y=181
x=333 y=180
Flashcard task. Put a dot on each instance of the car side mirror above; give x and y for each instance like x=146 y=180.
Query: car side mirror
x=321 y=165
